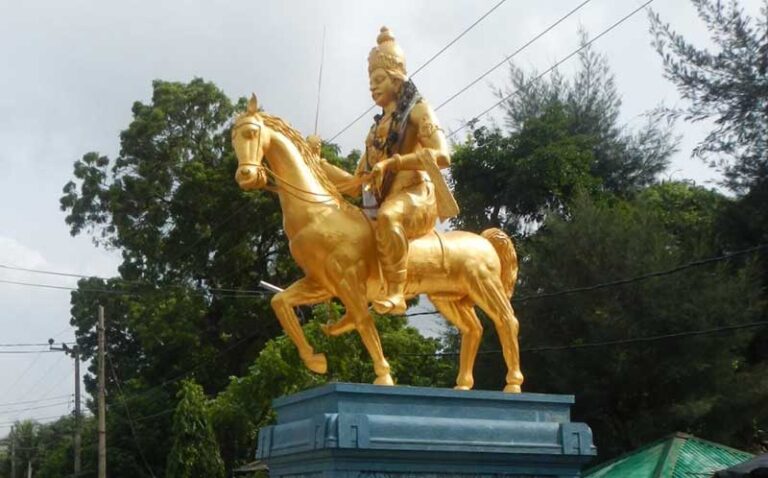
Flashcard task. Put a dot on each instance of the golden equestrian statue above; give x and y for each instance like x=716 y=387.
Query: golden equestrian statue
x=389 y=250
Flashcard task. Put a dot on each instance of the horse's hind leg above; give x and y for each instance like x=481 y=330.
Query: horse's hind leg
x=487 y=291
x=461 y=313
x=351 y=292
x=302 y=292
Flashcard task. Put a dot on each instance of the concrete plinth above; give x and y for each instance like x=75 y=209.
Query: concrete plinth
x=344 y=430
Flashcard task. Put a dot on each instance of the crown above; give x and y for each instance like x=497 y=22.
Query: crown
x=387 y=55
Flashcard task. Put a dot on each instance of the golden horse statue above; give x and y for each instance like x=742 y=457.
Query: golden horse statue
x=333 y=242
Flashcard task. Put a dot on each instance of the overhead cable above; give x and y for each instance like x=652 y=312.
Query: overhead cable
x=552 y=68
x=431 y=59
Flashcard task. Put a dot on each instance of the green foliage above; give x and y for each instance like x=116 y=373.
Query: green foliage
x=509 y=181
x=195 y=451
x=562 y=136
x=189 y=239
x=728 y=85
x=245 y=406
x=633 y=393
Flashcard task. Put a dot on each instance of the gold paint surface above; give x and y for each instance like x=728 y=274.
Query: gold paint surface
x=389 y=250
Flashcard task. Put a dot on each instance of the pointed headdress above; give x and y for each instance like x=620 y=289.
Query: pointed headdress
x=388 y=55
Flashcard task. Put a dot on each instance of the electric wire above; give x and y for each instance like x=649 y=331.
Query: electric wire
x=550 y=69
x=618 y=282
x=610 y=343
x=32 y=345
x=128 y=415
x=431 y=59
x=34 y=419
x=40 y=407
x=514 y=54
x=124 y=281
x=26 y=402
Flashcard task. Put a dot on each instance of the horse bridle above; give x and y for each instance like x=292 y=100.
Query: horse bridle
x=277 y=180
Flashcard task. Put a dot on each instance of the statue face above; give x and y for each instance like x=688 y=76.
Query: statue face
x=384 y=88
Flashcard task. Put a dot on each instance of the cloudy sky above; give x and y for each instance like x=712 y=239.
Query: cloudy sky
x=69 y=72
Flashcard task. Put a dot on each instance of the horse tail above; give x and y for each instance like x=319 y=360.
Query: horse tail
x=502 y=243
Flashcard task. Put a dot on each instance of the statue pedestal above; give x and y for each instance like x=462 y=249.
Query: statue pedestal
x=344 y=430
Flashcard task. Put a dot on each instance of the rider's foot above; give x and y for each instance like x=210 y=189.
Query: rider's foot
x=393 y=304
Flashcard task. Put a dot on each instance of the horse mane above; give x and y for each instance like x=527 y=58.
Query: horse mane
x=311 y=159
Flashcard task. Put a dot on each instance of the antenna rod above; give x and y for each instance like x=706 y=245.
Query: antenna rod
x=320 y=80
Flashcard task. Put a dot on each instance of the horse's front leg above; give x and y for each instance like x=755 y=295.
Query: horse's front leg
x=302 y=292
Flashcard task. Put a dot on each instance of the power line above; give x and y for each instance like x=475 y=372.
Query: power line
x=125 y=281
x=603 y=285
x=642 y=277
x=32 y=345
x=155 y=415
x=14 y=352
x=515 y=53
x=609 y=343
x=128 y=415
x=34 y=419
x=431 y=59
x=40 y=407
x=25 y=402
x=552 y=68
x=620 y=282
x=450 y=44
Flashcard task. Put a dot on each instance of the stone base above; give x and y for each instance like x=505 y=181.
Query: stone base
x=344 y=430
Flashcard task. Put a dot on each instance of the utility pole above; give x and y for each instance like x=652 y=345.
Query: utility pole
x=77 y=440
x=13 y=452
x=102 y=406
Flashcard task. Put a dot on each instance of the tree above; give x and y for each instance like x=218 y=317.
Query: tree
x=186 y=303
x=632 y=393
x=562 y=135
x=509 y=182
x=190 y=241
x=195 y=451
x=728 y=85
x=246 y=405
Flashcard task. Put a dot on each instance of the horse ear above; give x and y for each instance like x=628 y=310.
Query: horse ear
x=253 y=104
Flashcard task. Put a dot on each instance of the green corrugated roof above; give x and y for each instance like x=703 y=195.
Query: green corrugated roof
x=676 y=456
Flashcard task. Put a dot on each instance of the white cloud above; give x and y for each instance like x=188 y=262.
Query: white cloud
x=14 y=253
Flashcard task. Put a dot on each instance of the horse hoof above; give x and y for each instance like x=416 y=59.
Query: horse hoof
x=316 y=363
x=513 y=389
x=462 y=387
x=384 y=380
x=394 y=305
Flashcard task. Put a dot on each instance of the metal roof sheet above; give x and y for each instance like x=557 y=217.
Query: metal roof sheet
x=675 y=456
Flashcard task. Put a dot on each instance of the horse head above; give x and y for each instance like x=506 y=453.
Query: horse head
x=250 y=140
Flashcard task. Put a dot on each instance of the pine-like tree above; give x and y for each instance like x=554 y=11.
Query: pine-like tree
x=728 y=85
x=195 y=452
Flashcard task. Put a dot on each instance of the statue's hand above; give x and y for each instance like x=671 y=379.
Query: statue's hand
x=378 y=171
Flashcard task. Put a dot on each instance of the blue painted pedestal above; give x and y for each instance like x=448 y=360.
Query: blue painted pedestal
x=344 y=430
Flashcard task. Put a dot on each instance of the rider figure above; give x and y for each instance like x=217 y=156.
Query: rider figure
x=404 y=151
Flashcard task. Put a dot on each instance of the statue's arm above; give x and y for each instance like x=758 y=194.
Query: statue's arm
x=429 y=136
x=348 y=184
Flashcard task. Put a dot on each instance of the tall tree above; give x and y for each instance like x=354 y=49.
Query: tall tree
x=195 y=451
x=562 y=135
x=631 y=393
x=190 y=240
x=727 y=84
